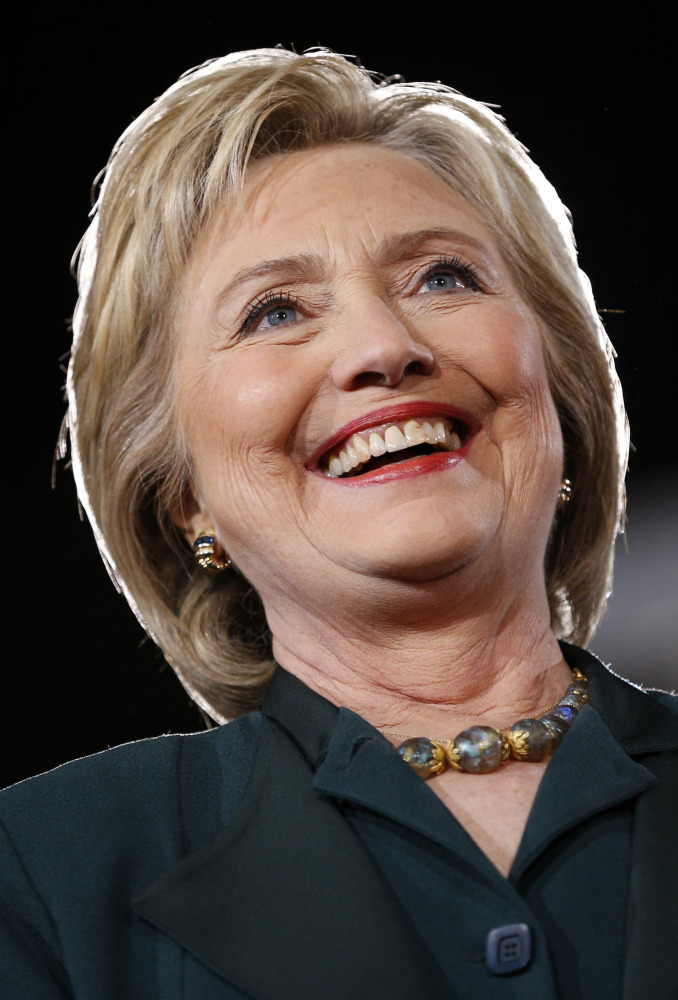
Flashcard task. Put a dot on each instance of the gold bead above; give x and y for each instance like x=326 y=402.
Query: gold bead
x=454 y=757
x=518 y=743
x=440 y=758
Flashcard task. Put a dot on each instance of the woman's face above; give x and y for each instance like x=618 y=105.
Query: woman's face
x=361 y=304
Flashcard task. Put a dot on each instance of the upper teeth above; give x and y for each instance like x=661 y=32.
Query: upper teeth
x=358 y=449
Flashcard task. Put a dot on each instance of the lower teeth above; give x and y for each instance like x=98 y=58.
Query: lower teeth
x=391 y=458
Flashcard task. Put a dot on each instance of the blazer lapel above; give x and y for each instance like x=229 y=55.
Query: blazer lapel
x=286 y=903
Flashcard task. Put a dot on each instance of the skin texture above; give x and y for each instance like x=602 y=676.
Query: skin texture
x=418 y=602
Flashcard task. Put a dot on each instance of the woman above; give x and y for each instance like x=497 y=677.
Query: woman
x=340 y=401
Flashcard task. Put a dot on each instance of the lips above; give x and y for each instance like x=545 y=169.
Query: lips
x=401 y=440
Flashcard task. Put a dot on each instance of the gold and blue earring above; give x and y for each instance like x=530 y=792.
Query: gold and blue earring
x=204 y=552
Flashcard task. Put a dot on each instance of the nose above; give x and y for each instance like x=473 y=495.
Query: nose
x=379 y=350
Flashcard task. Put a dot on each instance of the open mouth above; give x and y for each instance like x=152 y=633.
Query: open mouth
x=391 y=443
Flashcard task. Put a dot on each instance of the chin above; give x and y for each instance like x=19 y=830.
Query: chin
x=418 y=557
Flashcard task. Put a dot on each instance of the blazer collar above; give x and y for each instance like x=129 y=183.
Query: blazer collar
x=267 y=905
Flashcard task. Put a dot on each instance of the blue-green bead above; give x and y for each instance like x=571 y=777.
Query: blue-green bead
x=479 y=749
x=572 y=701
x=530 y=740
x=557 y=727
x=424 y=755
x=576 y=696
x=565 y=712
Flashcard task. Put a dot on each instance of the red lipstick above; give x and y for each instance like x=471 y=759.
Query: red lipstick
x=416 y=466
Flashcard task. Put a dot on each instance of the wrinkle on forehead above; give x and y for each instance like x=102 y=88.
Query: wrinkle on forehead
x=266 y=180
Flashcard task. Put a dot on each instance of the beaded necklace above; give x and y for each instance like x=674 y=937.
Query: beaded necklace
x=481 y=749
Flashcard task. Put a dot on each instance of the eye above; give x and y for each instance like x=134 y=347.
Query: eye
x=278 y=316
x=271 y=311
x=442 y=282
x=448 y=275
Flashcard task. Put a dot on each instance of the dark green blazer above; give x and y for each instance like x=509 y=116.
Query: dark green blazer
x=204 y=867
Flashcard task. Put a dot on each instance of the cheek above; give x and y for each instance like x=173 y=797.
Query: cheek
x=258 y=385
x=515 y=370
x=532 y=380
x=513 y=347
x=240 y=412
x=525 y=425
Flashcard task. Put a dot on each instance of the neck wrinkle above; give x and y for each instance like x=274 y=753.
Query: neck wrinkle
x=473 y=675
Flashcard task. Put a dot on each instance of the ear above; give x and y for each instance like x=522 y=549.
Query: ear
x=190 y=514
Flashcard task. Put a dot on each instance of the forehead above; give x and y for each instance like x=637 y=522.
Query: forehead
x=356 y=194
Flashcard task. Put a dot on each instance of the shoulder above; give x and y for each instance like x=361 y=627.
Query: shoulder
x=665 y=702
x=604 y=674
x=642 y=720
x=669 y=699
x=140 y=769
x=77 y=844
x=149 y=799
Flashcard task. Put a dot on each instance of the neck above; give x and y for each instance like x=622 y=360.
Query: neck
x=430 y=672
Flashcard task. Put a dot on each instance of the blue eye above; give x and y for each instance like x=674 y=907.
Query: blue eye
x=279 y=316
x=442 y=282
x=271 y=311
x=449 y=275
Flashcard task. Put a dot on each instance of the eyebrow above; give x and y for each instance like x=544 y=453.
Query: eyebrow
x=311 y=268
x=404 y=246
x=307 y=267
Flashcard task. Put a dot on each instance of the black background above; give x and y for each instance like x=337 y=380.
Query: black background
x=585 y=88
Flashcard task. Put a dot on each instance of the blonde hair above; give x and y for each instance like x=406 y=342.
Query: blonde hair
x=166 y=175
